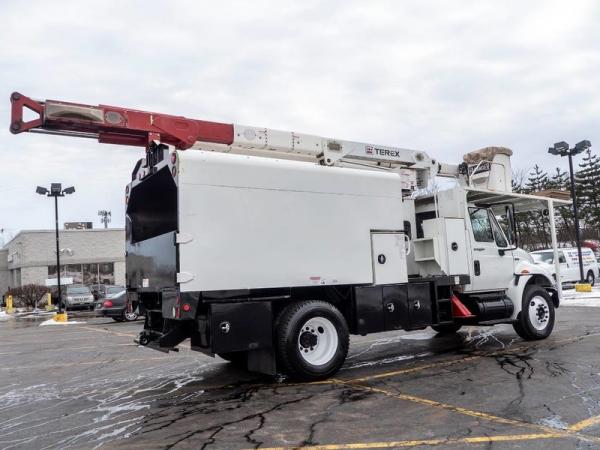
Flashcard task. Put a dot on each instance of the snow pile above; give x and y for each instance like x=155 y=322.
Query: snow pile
x=54 y=322
x=573 y=298
x=4 y=316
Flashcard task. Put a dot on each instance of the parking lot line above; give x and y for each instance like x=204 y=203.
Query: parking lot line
x=103 y=330
x=585 y=423
x=87 y=347
x=470 y=412
x=421 y=442
x=85 y=363
x=413 y=369
x=467 y=359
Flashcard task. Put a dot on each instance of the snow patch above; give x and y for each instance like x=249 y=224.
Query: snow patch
x=4 y=316
x=391 y=360
x=422 y=336
x=573 y=298
x=54 y=322
x=554 y=422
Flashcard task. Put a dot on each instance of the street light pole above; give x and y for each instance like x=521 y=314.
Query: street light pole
x=562 y=149
x=56 y=191
x=576 y=218
x=60 y=299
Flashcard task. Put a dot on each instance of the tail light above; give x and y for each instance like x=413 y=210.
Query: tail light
x=107 y=304
x=173 y=158
x=186 y=307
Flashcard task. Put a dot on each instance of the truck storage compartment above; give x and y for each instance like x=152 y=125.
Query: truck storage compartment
x=393 y=307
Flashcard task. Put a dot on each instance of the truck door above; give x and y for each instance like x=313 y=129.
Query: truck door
x=493 y=264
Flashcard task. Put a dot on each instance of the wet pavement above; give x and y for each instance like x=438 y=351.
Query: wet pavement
x=88 y=385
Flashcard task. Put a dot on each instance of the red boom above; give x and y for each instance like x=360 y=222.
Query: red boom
x=114 y=125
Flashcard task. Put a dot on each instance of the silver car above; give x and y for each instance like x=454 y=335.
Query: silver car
x=79 y=296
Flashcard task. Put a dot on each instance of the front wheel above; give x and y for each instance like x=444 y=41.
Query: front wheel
x=590 y=278
x=536 y=319
x=312 y=340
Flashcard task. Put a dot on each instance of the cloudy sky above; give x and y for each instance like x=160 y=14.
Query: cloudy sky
x=445 y=77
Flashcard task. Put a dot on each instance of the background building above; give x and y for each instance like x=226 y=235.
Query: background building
x=88 y=256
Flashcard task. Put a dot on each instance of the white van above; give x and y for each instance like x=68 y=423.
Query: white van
x=569 y=264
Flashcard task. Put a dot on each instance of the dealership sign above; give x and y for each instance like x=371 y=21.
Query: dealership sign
x=63 y=281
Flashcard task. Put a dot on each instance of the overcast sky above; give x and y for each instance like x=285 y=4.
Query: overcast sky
x=444 y=77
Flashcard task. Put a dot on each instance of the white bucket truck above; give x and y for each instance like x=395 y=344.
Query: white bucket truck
x=269 y=248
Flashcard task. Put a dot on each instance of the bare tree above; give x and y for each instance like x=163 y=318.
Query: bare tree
x=28 y=295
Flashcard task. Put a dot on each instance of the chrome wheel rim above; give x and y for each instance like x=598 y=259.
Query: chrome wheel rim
x=539 y=312
x=318 y=341
x=130 y=316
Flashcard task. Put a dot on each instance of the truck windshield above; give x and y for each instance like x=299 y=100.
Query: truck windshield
x=544 y=257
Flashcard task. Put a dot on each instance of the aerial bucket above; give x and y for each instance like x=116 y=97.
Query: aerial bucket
x=489 y=168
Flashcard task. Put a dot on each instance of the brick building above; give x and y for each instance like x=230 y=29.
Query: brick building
x=88 y=256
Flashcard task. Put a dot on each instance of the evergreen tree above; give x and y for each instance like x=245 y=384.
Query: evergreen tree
x=588 y=191
x=532 y=224
x=559 y=180
x=565 y=228
x=537 y=181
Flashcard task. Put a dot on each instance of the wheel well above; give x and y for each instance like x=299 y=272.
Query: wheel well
x=542 y=281
x=538 y=279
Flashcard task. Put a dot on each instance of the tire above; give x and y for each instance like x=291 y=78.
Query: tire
x=129 y=316
x=312 y=340
x=238 y=359
x=447 y=329
x=117 y=319
x=590 y=278
x=536 y=319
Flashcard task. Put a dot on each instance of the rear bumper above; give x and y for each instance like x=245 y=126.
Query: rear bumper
x=79 y=305
x=109 y=312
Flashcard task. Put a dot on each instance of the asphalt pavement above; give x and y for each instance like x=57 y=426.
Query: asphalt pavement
x=88 y=385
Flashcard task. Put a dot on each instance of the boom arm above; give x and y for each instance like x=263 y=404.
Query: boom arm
x=116 y=125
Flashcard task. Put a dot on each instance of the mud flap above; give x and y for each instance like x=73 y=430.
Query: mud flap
x=262 y=361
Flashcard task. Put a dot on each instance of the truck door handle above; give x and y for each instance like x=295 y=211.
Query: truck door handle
x=478 y=249
x=477 y=268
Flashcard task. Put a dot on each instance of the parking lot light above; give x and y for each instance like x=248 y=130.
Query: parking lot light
x=56 y=191
x=562 y=149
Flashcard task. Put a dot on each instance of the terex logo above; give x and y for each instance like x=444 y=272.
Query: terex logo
x=369 y=150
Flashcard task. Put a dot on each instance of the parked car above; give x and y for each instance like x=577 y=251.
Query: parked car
x=569 y=264
x=78 y=296
x=115 y=306
x=104 y=290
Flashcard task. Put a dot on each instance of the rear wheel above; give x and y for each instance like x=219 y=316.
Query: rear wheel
x=590 y=278
x=447 y=329
x=536 y=319
x=312 y=340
